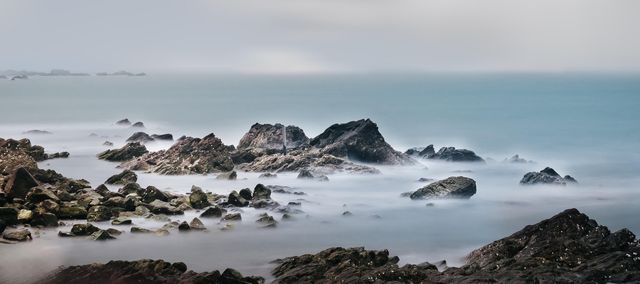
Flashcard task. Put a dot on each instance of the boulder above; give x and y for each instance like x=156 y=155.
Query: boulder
x=130 y=188
x=271 y=137
x=9 y=216
x=19 y=184
x=124 y=177
x=232 y=175
x=305 y=174
x=166 y=137
x=44 y=220
x=98 y=213
x=246 y=193
x=138 y=124
x=546 y=176
x=162 y=207
x=127 y=152
x=426 y=152
x=184 y=226
x=451 y=154
x=17 y=235
x=196 y=224
x=152 y=193
x=140 y=137
x=213 y=212
x=198 y=199
x=101 y=235
x=268 y=175
x=41 y=193
x=359 y=141
x=266 y=220
x=83 y=229
x=121 y=221
x=72 y=211
x=232 y=217
x=261 y=192
x=25 y=216
x=236 y=200
x=124 y=122
x=452 y=187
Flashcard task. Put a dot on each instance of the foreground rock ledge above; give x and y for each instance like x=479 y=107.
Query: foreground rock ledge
x=567 y=248
x=143 y=271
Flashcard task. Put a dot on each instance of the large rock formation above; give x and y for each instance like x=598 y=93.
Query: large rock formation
x=358 y=141
x=452 y=187
x=270 y=137
x=546 y=176
x=127 y=152
x=451 y=154
x=567 y=248
x=143 y=271
x=188 y=156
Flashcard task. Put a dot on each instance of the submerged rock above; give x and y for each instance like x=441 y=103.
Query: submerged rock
x=232 y=175
x=140 y=137
x=452 y=187
x=213 y=212
x=143 y=271
x=166 y=137
x=138 y=124
x=124 y=121
x=127 y=152
x=546 y=176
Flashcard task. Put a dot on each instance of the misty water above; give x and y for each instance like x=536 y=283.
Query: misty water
x=585 y=125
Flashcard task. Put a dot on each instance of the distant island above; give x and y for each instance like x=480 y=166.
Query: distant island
x=25 y=74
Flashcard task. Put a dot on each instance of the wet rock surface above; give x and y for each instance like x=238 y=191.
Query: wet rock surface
x=127 y=152
x=143 y=271
x=452 y=187
x=124 y=177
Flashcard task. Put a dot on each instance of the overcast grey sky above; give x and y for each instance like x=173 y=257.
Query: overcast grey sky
x=321 y=35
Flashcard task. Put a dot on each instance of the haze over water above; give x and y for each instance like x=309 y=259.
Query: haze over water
x=585 y=125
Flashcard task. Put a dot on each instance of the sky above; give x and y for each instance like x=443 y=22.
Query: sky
x=322 y=36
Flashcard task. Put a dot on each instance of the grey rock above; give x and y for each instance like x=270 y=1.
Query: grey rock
x=452 y=187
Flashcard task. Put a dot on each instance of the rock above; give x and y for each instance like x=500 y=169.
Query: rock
x=271 y=137
x=236 y=200
x=127 y=152
x=261 y=192
x=25 y=216
x=184 y=226
x=347 y=213
x=9 y=216
x=39 y=194
x=130 y=188
x=188 y=156
x=196 y=224
x=305 y=174
x=452 y=187
x=125 y=122
x=121 y=221
x=166 y=137
x=19 y=184
x=198 y=199
x=161 y=207
x=246 y=193
x=98 y=213
x=37 y=132
x=138 y=124
x=124 y=177
x=266 y=220
x=213 y=212
x=16 y=154
x=141 y=211
x=45 y=220
x=516 y=159
x=451 y=154
x=546 y=176
x=268 y=175
x=107 y=143
x=232 y=217
x=17 y=235
x=426 y=152
x=425 y=179
x=227 y=176
x=101 y=235
x=360 y=141
x=152 y=193
x=72 y=211
x=297 y=160
x=113 y=232
x=3 y=226
x=143 y=271
x=83 y=229
x=140 y=137
x=138 y=230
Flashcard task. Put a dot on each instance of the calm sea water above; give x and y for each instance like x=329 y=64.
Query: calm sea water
x=586 y=125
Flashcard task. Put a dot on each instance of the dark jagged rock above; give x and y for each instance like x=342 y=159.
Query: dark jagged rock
x=140 y=137
x=246 y=193
x=268 y=175
x=270 y=137
x=184 y=226
x=19 y=184
x=143 y=271
x=516 y=159
x=198 y=199
x=152 y=193
x=127 y=152
x=121 y=221
x=360 y=141
x=138 y=124
x=261 y=192
x=83 y=229
x=452 y=187
x=567 y=248
x=236 y=200
x=451 y=154
x=232 y=217
x=305 y=174
x=232 y=175
x=98 y=213
x=426 y=152
x=44 y=220
x=188 y=156
x=9 y=216
x=162 y=207
x=266 y=220
x=124 y=177
x=101 y=235
x=546 y=176
x=213 y=212
x=125 y=122
x=196 y=224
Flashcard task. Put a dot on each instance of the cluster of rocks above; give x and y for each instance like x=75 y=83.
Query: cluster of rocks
x=546 y=176
x=567 y=248
x=143 y=271
x=450 y=154
x=127 y=122
x=8 y=148
x=451 y=187
x=338 y=148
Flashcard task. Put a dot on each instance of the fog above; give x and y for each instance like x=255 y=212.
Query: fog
x=281 y=36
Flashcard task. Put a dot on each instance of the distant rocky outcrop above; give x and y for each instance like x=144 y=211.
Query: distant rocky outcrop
x=452 y=187
x=140 y=137
x=451 y=154
x=426 y=152
x=188 y=156
x=124 y=122
x=127 y=152
x=143 y=271
x=546 y=176
x=567 y=248
x=270 y=137
x=516 y=159
x=358 y=141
